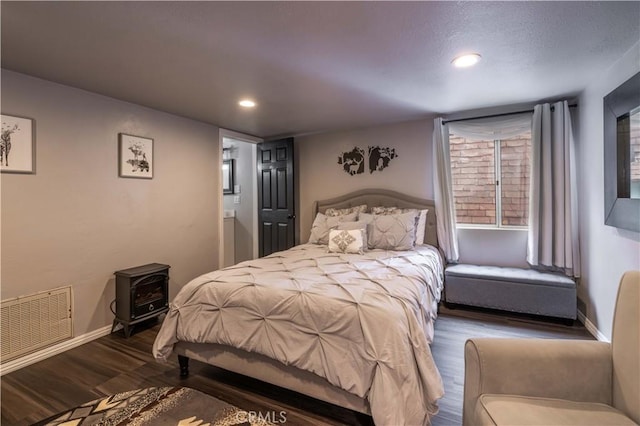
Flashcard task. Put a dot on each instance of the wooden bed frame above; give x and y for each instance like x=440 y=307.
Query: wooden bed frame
x=274 y=372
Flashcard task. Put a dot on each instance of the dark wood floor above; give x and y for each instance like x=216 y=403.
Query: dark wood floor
x=114 y=364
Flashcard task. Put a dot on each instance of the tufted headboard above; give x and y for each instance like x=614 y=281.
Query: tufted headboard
x=387 y=198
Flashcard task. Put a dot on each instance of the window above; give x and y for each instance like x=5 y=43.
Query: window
x=491 y=179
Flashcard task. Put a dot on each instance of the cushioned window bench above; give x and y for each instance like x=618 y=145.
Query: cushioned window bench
x=511 y=289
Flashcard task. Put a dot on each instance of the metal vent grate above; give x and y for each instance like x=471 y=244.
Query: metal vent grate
x=33 y=322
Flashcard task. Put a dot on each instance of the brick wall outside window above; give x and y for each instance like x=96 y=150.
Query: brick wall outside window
x=635 y=150
x=474 y=182
x=473 y=175
x=516 y=170
x=629 y=129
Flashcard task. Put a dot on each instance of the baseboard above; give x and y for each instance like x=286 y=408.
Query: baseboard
x=591 y=328
x=45 y=353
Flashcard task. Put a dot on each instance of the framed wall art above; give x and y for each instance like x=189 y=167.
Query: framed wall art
x=135 y=156
x=17 y=145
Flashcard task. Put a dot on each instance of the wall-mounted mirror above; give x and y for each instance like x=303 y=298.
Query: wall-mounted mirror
x=629 y=134
x=227 y=177
x=622 y=156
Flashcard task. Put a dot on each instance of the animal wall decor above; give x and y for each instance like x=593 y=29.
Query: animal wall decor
x=375 y=159
x=135 y=156
x=17 y=145
x=5 y=143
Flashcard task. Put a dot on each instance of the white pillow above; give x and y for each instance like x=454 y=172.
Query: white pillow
x=391 y=232
x=347 y=241
x=323 y=224
x=352 y=225
x=420 y=226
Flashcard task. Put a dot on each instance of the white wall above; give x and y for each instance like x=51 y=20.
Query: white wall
x=497 y=247
x=75 y=221
x=607 y=252
x=243 y=154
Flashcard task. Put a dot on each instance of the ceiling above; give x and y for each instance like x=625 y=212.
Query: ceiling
x=317 y=66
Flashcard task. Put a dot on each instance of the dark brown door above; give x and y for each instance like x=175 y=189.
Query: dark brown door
x=276 y=214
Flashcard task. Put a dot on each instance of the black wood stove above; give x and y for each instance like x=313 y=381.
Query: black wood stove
x=141 y=293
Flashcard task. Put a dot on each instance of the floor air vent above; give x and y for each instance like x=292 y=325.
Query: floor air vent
x=33 y=322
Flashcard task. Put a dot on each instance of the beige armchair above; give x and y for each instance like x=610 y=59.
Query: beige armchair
x=559 y=382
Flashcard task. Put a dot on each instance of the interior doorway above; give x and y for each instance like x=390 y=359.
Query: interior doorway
x=239 y=221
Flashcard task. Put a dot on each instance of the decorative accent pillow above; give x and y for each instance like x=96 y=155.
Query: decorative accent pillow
x=340 y=212
x=384 y=210
x=347 y=241
x=391 y=232
x=323 y=224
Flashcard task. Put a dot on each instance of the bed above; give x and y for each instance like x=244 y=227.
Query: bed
x=346 y=328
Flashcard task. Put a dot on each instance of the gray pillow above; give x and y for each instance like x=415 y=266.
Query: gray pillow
x=323 y=224
x=391 y=232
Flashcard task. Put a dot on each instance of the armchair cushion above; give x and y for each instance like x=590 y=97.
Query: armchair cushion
x=575 y=370
x=530 y=411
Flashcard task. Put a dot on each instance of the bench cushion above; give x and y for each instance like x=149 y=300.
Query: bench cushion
x=530 y=276
x=511 y=289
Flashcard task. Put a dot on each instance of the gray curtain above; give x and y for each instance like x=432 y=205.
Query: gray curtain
x=443 y=192
x=553 y=212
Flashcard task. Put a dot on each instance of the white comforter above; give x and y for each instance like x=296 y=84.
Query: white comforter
x=363 y=322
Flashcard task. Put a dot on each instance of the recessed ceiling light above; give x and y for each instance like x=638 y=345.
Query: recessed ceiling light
x=247 y=103
x=466 y=60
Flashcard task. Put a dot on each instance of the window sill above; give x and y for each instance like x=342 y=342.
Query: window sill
x=493 y=228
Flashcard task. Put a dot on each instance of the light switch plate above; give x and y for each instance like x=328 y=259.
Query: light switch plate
x=236 y=199
x=236 y=189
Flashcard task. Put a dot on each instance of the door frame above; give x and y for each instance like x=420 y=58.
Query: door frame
x=230 y=134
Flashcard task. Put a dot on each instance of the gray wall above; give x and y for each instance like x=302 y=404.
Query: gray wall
x=499 y=247
x=75 y=221
x=244 y=172
x=320 y=177
x=607 y=252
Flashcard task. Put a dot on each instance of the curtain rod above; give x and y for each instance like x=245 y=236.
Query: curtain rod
x=496 y=115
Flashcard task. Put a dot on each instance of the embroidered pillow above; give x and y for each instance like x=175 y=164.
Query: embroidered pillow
x=323 y=224
x=347 y=241
x=391 y=232
x=340 y=212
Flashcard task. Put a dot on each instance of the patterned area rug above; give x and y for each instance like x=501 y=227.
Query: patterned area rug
x=157 y=406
